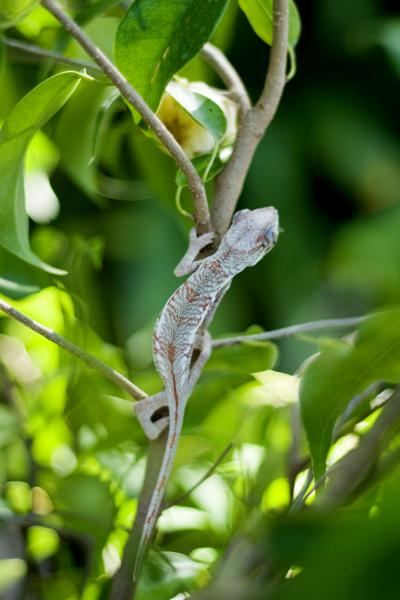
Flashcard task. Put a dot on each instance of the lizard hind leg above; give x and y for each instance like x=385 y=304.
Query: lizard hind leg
x=152 y=414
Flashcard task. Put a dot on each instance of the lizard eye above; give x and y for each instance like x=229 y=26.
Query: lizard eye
x=269 y=236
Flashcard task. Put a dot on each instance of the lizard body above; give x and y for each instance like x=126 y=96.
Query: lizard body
x=181 y=329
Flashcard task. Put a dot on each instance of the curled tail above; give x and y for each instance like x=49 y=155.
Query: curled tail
x=159 y=491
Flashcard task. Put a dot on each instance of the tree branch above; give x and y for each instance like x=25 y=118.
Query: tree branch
x=123 y=584
x=196 y=186
x=276 y=334
x=253 y=124
x=228 y=74
x=88 y=359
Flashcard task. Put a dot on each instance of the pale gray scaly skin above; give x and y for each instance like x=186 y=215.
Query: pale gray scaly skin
x=181 y=329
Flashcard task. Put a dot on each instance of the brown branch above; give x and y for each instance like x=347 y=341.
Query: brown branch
x=88 y=359
x=123 y=585
x=283 y=332
x=196 y=186
x=253 y=124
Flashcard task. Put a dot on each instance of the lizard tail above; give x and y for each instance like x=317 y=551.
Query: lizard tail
x=154 y=506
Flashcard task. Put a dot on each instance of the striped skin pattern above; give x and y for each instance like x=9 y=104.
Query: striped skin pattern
x=181 y=328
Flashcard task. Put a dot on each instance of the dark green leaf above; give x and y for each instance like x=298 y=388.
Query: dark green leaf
x=341 y=372
x=259 y=14
x=18 y=278
x=29 y=115
x=157 y=38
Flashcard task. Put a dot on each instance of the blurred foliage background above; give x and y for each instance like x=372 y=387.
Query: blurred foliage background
x=71 y=454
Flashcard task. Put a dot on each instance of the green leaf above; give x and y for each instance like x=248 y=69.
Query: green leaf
x=78 y=152
x=156 y=39
x=12 y=11
x=203 y=110
x=19 y=279
x=29 y=115
x=259 y=14
x=248 y=357
x=341 y=372
x=201 y=164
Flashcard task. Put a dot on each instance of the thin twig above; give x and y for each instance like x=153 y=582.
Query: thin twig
x=49 y=54
x=208 y=474
x=88 y=359
x=228 y=74
x=253 y=124
x=276 y=334
x=202 y=215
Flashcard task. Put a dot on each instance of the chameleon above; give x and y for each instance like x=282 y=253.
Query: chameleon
x=181 y=342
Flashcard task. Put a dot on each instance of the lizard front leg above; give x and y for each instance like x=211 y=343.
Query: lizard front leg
x=188 y=263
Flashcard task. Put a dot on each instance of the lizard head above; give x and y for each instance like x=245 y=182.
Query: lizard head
x=252 y=234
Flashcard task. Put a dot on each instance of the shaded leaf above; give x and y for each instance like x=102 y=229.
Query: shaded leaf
x=341 y=372
x=156 y=39
x=78 y=152
x=18 y=278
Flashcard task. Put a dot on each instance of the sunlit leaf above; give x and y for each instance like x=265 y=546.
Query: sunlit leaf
x=341 y=372
x=156 y=39
x=259 y=14
x=12 y=11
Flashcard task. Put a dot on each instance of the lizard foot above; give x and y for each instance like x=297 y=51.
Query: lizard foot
x=152 y=414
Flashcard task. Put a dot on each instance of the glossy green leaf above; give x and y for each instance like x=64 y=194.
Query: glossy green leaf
x=157 y=38
x=203 y=110
x=342 y=371
x=12 y=11
x=29 y=115
x=259 y=14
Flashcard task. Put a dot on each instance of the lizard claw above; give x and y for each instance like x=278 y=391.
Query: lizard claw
x=205 y=239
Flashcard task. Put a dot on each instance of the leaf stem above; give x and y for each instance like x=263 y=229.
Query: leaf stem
x=88 y=359
x=202 y=214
